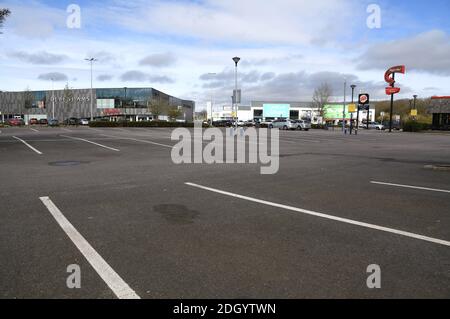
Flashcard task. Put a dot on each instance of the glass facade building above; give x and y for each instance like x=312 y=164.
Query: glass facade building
x=114 y=103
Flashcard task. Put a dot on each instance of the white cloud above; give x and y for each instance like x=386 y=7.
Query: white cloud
x=159 y=60
x=425 y=52
x=41 y=57
x=285 y=21
x=55 y=76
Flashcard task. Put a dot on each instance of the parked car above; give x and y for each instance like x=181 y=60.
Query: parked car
x=84 y=122
x=376 y=125
x=16 y=122
x=285 y=124
x=223 y=123
x=33 y=121
x=71 y=121
x=303 y=125
x=53 y=122
x=43 y=122
x=249 y=123
x=265 y=123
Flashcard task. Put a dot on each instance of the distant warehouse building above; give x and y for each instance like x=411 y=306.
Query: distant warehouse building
x=331 y=113
x=440 y=108
x=134 y=104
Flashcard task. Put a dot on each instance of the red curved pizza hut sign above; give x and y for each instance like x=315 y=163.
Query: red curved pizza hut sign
x=389 y=78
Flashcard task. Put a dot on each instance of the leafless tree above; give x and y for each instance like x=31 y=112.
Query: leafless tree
x=28 y=99
x=174 y=112
x=68 y=100
x=157 y=107
x=3 y=14
x=321 y=97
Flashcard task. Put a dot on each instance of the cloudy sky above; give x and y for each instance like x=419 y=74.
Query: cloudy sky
x=184 y=48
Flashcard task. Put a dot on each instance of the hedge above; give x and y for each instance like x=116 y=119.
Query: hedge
x=414 y=126
x=140 y=124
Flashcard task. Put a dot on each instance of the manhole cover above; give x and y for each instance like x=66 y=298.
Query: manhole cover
x=176 y=214
x=65 y=163
x=439 y=167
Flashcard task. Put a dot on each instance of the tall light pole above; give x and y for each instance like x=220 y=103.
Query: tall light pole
x=236 y=61
x=415 y=98
x=343 y=110
x=212 y=98
x=353 y=86
x=53 y=98
x=92 y=60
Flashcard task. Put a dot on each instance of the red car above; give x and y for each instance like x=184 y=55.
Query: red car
x=16 y=122
x=34 y=121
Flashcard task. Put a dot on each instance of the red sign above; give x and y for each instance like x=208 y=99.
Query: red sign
x=363 y=99
x=395 y=69
x=111 y=111
x=392 y=90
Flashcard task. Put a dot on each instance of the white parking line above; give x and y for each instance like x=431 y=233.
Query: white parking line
x=331 y=217
x=31 y=147
x=137 y=140
x=87 y=141
x=33 y=129
x=413 y=187
x=109 y=276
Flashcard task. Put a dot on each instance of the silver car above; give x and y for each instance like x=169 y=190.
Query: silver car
x=285 y=124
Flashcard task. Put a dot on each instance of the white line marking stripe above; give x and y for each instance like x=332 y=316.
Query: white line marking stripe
x=331 y=217
x=109 y=276
x=87 y=141
x=137 y=140
x=31 y=147
x=413 y=187
x=34 y=129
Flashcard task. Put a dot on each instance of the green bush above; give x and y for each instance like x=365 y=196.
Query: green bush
x=318 y=126
x=104 y=124
x=414 y=126
x=140 y=124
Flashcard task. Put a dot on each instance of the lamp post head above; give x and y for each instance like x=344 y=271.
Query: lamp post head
x=415 y=96
x=236 y=60
x=353 y=86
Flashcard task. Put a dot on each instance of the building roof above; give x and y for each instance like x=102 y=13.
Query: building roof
x=440 y=104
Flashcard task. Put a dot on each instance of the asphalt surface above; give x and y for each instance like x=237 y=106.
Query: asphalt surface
x=168 y=239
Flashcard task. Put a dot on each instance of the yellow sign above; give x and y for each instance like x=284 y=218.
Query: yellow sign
x=352 y=108
x=413 y=112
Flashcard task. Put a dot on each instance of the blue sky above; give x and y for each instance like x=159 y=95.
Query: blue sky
x=288 y=47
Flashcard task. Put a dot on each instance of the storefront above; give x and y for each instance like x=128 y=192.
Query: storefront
x=440 y=108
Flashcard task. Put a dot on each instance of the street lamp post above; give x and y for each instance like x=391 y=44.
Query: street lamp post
x=343 y=109
x=91 y=60
x=353 y=86
x=236 y=61
x=212 y=99
x=53 y=98
x=415 y=98
x=124 y=105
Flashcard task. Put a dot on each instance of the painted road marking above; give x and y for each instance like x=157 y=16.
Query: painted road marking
x=40 y=153
x=109 y=276
x=413 y=187
x=87 y=141
x=331 y=217
x=137 y=140
x=65 y=129
x=33 y=129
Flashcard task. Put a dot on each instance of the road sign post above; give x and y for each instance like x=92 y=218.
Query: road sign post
x=389 y=77
x=363 y=102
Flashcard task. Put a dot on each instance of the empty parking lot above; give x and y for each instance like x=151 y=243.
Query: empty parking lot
x=111 y=201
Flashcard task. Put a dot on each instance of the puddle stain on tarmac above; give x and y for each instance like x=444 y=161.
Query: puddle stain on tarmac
x=67 y=163
x=176 y=214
